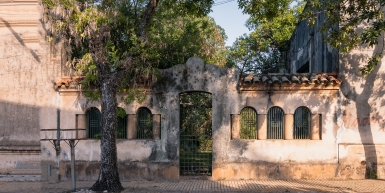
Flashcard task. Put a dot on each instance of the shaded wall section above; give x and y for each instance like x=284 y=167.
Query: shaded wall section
x=28 y=100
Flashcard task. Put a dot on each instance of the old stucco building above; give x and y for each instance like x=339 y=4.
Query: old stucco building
x=319 y=120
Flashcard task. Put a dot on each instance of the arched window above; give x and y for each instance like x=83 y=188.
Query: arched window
x=301 y=123
x=248 y=123
x=121 y=126
x=144 y=124
x=93 y=123
x=275 y=123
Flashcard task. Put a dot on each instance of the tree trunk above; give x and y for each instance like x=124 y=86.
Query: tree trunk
x=108 y=176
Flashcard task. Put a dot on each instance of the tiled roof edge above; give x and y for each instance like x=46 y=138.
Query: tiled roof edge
x=289 y=79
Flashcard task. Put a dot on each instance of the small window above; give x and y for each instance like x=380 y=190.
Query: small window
x=93 y=123
x=121 y=126
x=144 y=124
x=301 y=123
x=275 y=123
x=248 y=123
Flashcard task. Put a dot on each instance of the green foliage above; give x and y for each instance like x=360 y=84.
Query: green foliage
x=97 y=136
x=351 y=24
x=245 y=55
x=248 y=123
x=272 y=22
x=176 y=38
x=196 y=121
x=134 y=94
x=178 y=30
x=373 y=61
x=121 y=113
x=348 y=24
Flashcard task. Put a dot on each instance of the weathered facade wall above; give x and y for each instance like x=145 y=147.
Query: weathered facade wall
x=28 y=100
x=359 y=115
x=348 y=142
x=232 y=158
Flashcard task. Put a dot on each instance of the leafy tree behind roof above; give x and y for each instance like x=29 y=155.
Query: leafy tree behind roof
x=272 y=23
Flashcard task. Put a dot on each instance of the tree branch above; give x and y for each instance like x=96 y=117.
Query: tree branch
x=146 y=18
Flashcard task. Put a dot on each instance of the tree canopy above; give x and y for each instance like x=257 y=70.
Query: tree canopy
x=348 y=25
x=272 y=23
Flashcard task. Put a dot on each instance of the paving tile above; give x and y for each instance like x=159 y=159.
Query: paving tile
x=207 y=186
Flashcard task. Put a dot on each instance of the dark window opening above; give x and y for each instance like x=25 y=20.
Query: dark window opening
x=93 y=123
x=304 y=68
x=144 y=124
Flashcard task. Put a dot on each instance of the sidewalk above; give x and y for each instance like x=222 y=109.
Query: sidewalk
x=208 y=186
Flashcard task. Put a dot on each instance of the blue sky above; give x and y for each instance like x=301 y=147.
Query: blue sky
x=230 y=18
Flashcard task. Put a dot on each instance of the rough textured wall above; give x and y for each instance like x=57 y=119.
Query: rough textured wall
x=360 y=106
x=361 y=117
x=28 y=100
x=232 y=159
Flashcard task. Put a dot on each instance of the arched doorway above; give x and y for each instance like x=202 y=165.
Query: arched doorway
x=195 y=134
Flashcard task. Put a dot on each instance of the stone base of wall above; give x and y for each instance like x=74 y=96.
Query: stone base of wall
x=264 y=170
x=127 y=171
x=221 y=171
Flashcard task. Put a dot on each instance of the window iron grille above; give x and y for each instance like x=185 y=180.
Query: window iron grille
x=93 y=123
x=144 y=124
x=121 y=125
x=248 y=123
x=275 y=123
x=301 y=123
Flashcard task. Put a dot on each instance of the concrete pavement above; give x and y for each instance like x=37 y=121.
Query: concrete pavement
x=208 y=186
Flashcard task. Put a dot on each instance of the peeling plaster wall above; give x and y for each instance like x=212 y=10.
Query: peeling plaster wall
x=232 y=159
x=352 y=121
x=361 y=116
x=358 y=115
x=28 y=100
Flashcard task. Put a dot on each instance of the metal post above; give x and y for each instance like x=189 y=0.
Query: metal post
x=57 y=145
x=72 y=145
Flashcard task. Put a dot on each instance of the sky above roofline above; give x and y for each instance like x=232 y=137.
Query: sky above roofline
x=230 y=17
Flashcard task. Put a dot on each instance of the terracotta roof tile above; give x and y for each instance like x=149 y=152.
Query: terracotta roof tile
x=290 y=81
x=70 y=82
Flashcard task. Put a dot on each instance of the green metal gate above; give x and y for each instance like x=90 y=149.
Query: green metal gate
x=195 y=134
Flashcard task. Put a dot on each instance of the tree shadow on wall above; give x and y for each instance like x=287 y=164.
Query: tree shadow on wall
x=19 y=39
x=364 y=107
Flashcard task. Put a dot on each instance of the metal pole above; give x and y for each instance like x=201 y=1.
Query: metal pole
x=72 y=145
x=57 y=145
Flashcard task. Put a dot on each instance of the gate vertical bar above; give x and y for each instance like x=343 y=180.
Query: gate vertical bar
x=73 y=181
